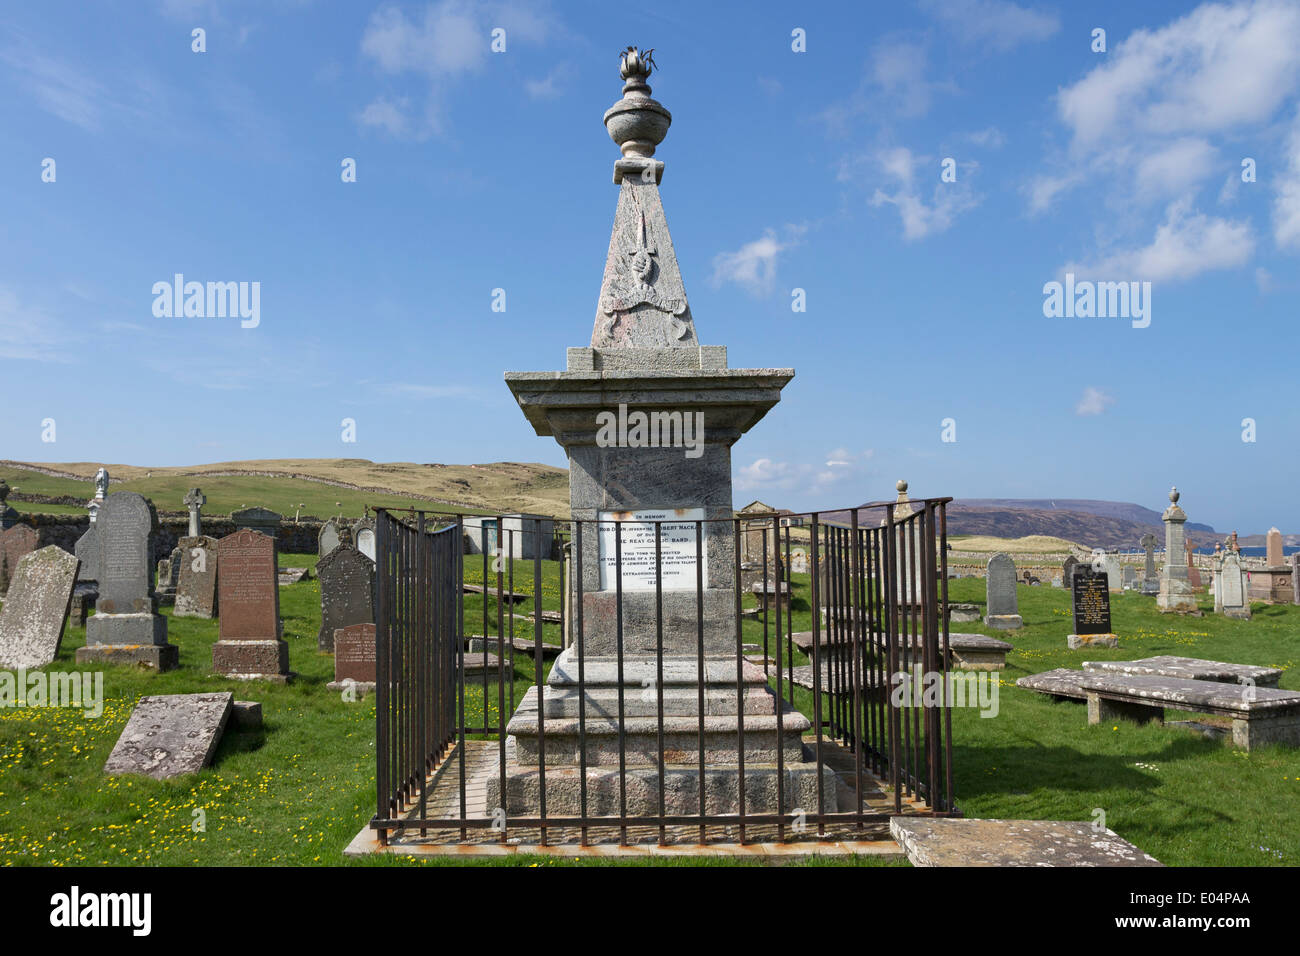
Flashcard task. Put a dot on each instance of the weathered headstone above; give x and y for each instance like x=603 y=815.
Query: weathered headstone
x=1150 y=576
x=169 y=570
x=354 y=658
x=1175 y=588
x=196 y=587
x=363 y=537
x=17 y=541
x=1295 y=577
x=249 y=644
x=1273 y=549
x=194 y=501
x=1107 y=562
x=1130 y=577
x=1230 y=587
x=87 y=551
x=170 y=735
x=1067 y=571
x=328 y=539
x=126 y=627
x=1002 y=607
x=347 y=588
x=1090 y=606
x=1193 y=572
x=258 y=519
x=36 y=608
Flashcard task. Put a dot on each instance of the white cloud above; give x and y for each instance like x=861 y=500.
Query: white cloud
x=840 y=464
x=1175 y=168
x=448 y=41
x=996 y=24
x=1286 y=204
x=1186 y=244
x=1093 y=402
x=549 y=87
x=753 y=265
x=990 y=137
x=59 y=87
x=1216 y=69
x=900 y=70
x=1264 y=280
x=919 y=217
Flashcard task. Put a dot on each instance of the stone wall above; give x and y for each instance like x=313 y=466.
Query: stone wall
x=64 y=530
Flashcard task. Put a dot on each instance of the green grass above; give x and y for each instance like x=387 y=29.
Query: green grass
x=297 y=791
x=224 y=493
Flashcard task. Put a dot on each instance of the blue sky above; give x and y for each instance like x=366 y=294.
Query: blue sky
x=818 y=170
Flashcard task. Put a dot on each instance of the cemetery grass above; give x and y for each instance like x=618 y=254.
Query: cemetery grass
x=291 y=794
x=1186 y=799
x=296 y=792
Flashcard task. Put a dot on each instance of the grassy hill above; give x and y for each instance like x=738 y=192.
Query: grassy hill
x=321 y=487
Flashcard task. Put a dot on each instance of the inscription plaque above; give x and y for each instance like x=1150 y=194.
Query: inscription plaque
x=636 y=538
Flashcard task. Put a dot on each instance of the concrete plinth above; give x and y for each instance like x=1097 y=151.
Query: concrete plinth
x=252 y=660
x=1086 y=641
x=158 y=657
x=126 y=629
x=1004 y=622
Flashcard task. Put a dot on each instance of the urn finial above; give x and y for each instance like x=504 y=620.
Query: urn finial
x=637 y=123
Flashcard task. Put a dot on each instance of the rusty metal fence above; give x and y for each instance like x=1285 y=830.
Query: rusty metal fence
x=600 y=706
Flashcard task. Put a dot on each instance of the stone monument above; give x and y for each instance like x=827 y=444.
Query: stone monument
x=1176 y=593
x=8 y=514
x=1090 y=605
x=328 y=539
x=1150 y=576
x=15 y=543
x=347 y=592
x=36 y=608
x=194 y=501
x=126 y=627
x=645 y=357
x=101 y=492
x=1273 y=582
x=354 y=659
x=1002 y=607
x=196 y=585
x=1067 y=571
x=363 y=537
x=1230 y=595
x=249 y=644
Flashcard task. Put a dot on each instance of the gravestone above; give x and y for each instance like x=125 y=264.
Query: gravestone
x=196 y=587
x=258 y=519
x=644 y=354
x=249 y=644
x=1295 y=578
x=1273 y=549
x=1176 y=593
x=16 y=542
x=1150 y=576
x=126 y=628
x=169 y=570
x=8 y=515
x=1130 y=577
x=328 y=539
x=1193 y=572
x=1067 y=571
x=1108 y=563
x=363 y=537
x=170 y=735
x=347 y=589
x=1230 y=587
x=354 y=658
x=1002 y=608
x=87 y=551
x=36 y=608
x=194 y=501
x=1090 y=606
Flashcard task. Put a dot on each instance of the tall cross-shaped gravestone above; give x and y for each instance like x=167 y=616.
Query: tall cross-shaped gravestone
x=195 y=501
x=1175 y=589
x=644 y=359
x=1150 y=576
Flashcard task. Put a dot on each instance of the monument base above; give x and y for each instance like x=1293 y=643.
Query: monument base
x=158 y=657
x=359 y=687
x=252 y=660
x=1237 y=613
x=1004 y=622
x=1176 y=597
x=126 y=629
x=1085 y=641
x=186 y=606
x=771 y=727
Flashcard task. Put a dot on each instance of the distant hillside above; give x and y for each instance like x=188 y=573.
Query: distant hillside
x=322 y=485
x=1107 y=509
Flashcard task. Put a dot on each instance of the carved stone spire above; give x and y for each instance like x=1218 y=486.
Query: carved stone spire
x=642 y=299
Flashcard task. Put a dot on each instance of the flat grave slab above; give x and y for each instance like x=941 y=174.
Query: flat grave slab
x=170 y=735
x=1192 y=668
x=287 y=576
x=930 y=841
x=1061 y=682
x=1202 y=696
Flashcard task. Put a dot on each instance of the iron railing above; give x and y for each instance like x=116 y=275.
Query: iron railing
x=877 y=594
